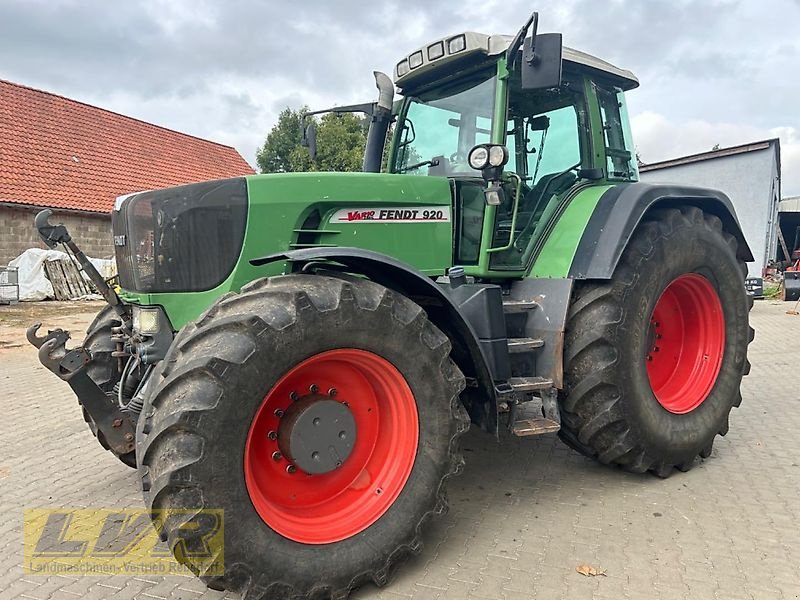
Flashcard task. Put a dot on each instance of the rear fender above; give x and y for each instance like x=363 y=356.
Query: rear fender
x=620 y=210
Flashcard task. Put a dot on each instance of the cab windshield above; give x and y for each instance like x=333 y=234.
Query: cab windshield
x=440 y=127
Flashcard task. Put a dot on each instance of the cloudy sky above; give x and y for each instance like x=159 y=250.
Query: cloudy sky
x=712 y=71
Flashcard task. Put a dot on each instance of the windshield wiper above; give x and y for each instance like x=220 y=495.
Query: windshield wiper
x=434 y=162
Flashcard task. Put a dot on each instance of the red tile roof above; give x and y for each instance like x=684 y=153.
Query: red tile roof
x=59 y=153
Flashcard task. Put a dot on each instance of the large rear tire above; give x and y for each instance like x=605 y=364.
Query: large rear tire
x=242 y=383
x=103 y=369
x=654 y=357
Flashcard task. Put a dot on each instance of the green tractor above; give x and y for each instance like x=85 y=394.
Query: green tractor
x=304 y=350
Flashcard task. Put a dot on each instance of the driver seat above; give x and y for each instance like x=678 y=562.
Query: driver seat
x=534 y=203
x=536 y=200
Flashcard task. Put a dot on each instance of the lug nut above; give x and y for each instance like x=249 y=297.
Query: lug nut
x=128 y=437
x=273 y=435
x=313 y=388
x=279 y=412
x=290 y=469
x=332 y=392
x=117 y=423
x=293 y=396
x=276 y=456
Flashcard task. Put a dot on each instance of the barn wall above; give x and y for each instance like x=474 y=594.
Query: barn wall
x=751 y=181
x=17 y=234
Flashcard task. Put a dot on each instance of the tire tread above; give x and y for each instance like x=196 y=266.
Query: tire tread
x=277 y=303
x=593 y=422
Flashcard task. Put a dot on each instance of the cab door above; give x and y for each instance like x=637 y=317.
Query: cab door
x=548 y=142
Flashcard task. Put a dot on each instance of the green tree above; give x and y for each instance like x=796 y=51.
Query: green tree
x=340 y=144
x=277 y=154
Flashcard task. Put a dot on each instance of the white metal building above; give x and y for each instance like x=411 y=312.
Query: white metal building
x=749 y=174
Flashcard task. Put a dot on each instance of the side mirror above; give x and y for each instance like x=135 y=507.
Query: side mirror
x=490 y=159
x=309 y=138
x=541 y=61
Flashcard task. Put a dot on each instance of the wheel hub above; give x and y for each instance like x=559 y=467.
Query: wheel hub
x=317 y=434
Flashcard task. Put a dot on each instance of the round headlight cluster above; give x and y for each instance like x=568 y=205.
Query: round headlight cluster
x=487 y=155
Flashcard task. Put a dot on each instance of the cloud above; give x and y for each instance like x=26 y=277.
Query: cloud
x=714 y=69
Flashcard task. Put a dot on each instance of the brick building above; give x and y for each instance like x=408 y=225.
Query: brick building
x=76 y=159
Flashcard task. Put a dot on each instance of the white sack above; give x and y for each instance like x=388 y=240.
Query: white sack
x=33 y=282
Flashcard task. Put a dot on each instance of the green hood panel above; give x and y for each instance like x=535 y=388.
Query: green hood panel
x=375 y=202
x=404 y=216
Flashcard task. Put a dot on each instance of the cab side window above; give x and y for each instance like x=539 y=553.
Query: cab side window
x=620 y=154
x=547 y=142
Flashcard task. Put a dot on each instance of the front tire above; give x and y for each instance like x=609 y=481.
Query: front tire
x=214 y=435
x=654 y=357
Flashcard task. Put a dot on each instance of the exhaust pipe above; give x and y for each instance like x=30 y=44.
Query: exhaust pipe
x=379 y=123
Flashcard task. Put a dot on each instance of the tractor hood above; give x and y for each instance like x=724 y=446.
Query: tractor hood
x=183 y=247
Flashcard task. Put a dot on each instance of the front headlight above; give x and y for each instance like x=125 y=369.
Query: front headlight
x=498 y=155
x=478 y=157
x=402 y=68
x=146 y=320
x=415 y=60
x=436 y=51
x=456 y=44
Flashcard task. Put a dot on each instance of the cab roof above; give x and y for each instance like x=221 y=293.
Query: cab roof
x=455 y=48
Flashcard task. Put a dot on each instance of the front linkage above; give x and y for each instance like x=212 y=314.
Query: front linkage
x=117 y=426
x=114 y=424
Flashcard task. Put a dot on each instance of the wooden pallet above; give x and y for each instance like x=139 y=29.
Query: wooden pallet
x=68 y=284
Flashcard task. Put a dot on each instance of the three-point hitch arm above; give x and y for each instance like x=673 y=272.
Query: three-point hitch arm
x=115 y=424
x=52 y=235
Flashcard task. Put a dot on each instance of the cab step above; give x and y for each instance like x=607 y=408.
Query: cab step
x=529 y=384
x=534 y=426
x=518 y=345
x=519 y=306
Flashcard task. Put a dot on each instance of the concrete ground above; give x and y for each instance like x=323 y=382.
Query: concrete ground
x=524 y=515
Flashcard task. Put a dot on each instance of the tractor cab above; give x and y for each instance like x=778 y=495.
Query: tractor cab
x=559 y=113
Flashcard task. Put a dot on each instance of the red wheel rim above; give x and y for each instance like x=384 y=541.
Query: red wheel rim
x=687 y=342
x=320 y=509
